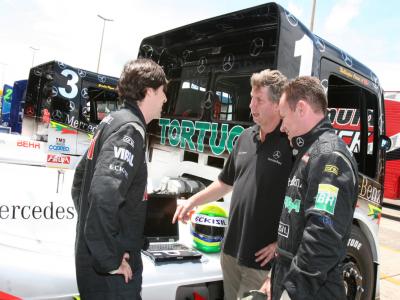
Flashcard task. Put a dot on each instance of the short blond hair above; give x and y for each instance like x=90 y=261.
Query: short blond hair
x=273 y=79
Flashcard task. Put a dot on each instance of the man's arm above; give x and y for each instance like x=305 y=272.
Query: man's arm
x=213 y=192
x=77 y=183
x=329 y=208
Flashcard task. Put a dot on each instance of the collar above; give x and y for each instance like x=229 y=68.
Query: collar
x=132 y=106
x=303 y=142
x=255 y=130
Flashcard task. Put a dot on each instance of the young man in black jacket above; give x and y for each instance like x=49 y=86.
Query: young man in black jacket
x=319 y=202
x=109 y=189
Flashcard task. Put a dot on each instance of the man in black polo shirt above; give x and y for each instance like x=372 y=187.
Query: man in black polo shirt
x=257 y=171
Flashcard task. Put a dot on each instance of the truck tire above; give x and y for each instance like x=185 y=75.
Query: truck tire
x=358 y=271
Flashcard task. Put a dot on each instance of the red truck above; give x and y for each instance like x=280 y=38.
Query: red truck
x=392 y=177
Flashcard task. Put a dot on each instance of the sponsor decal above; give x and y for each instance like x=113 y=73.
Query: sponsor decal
x=283 y=229
x=59 y=148
x=354 y=243
x=129 y=141
x=180 y=134
x=331 y=169
x=59 y=159
x=351 y=74
x=292 y=205
x=119 y=170
x=326 y=220
x=107 y=119
x=28 y=144
x=209 y=220
x=123 y=154
x=374 y=211
x=295 y=182
x=47 y=212
x=106 y=86
x=370 y=190
x=62 y=128
x=90 y=151
x=326 y=198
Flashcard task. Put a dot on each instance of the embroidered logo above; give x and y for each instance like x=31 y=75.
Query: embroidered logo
x=292 y=205
x=326 y=198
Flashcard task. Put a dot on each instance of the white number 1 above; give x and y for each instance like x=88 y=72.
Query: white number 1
x=304 y=48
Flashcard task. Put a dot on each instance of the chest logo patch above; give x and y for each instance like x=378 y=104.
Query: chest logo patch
x=331 y=169
x=283 y=229
x=292 y=205
x=326 y=198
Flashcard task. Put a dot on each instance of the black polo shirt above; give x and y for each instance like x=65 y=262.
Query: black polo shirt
x=259 y=174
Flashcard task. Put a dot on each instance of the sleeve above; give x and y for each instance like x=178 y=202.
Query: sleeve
x=329 y=208
x=77 y=182
x=227 y=174
x=118 y=161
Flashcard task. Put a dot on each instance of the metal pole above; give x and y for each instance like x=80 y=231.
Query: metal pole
x=313 y=15
x=102 y=36
x=33 y=55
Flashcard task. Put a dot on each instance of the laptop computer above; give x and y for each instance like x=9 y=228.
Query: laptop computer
x=162 y=234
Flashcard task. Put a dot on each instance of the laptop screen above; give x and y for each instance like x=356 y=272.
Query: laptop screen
x=160 y=210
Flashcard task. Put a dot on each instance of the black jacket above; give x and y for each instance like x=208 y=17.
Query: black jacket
x=108 y=193
x=316 y=218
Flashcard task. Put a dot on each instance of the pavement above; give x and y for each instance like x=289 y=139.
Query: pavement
x=389 y=246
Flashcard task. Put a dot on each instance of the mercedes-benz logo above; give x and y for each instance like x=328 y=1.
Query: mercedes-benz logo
x=85 y=93
x=82 y=73
x=61 y=65
x=229 y=61
x=300 y=141
x=54 y=91
x=237 y=16
x=291 y=19
x=37 y=72
x=276 y=155
x=102 y=78
x=347 y=59
x=324 y=83
x=71 y=106
x=320 y=44
x=147 y=51
x=202 y=64
x=208 y=101
x=224 y=27
x=57 y=114
x=186 y=54
x=256 y=46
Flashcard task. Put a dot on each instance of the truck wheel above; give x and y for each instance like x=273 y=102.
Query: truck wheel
x=358 y=271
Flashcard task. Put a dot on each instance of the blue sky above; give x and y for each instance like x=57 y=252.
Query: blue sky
x=70 y=31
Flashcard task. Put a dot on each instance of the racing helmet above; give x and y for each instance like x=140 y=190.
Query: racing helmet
x=208 y=227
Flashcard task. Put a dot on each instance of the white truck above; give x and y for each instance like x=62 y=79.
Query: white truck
x=208 y=64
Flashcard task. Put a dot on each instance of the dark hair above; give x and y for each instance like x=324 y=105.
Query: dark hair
x=309 y=89
x=137 y=76
x=273 y=79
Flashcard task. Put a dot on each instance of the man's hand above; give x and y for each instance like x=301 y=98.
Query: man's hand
x=125 y=269
x=266 y=254
x=266 y=288
x=182 y=212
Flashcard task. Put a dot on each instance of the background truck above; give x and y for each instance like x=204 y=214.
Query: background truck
x=208 y=64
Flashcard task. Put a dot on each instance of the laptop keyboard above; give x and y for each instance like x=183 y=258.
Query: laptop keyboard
x=167 y=246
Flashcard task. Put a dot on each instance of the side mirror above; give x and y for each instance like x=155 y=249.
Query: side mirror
x=385 y=142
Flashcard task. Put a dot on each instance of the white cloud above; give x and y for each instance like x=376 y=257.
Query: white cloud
x=341 y=15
